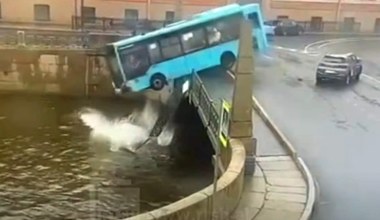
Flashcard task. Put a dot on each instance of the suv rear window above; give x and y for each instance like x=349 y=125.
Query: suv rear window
x=334 y=62
x=332 y=59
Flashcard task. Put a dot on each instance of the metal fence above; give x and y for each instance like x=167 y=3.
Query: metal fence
x=328 y=26
x=206 y=107
x=116 y=24
x=56 y=39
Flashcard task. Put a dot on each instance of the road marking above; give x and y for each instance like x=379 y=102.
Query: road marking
x=268 y=57
x=371 y=78
x=307 y=47
x=324 y=43
x=296 y=51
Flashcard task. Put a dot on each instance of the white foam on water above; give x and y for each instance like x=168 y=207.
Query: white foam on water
x=120 y=133
x=127 y=132
x=166 y=136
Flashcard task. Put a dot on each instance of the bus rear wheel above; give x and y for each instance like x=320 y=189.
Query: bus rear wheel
x=228 y=60
x=158 y=81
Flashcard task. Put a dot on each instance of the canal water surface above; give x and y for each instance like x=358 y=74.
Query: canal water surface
x=50 y=169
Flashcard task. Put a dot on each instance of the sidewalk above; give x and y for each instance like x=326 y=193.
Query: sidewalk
x=277 y=191
x=281 y=187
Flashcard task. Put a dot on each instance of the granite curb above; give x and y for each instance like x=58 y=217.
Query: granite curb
x=311 y=189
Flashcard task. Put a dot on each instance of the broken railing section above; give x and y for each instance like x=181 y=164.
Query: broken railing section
x=209 y=115
x=233 y=120
x=167 y=109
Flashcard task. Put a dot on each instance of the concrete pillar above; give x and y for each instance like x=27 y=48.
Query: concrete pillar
x=241 y=126
x=60 y=64
x=75 y=81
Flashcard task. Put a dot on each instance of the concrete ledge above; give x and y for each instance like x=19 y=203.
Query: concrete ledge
x=274 y=129
x=199 y=205
x=311 y=190
x=311 y=197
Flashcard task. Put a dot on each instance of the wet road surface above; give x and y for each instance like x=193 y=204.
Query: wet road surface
x=336 y=129
x=50 y=170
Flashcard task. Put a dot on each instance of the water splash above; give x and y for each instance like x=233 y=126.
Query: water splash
x=129 y=132
x=166 y=136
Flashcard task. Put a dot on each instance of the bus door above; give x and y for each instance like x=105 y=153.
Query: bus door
x=172 y=62
x=116 y=72
x=169 y=60
x=194 y=45
x=222 y=36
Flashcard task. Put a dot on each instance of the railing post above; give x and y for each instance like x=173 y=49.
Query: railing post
x=241 y=125
x=104 y=23
x=82 y=14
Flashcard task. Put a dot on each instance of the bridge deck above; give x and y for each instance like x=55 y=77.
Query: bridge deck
x=219 y=85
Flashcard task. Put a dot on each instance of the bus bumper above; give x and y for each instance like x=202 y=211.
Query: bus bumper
x=122 y=90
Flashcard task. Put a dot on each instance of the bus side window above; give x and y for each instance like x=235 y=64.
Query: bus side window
x=213 y=35
x=224 y=31
x=135 y=61
x=154 y=53
x=193 y=40
x=231 y=29
x=170 y=47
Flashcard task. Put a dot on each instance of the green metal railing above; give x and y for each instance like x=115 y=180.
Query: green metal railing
x=206 y=108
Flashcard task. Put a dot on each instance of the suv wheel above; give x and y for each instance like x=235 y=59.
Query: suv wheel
x=348 y=79
x=357 y=77
x=318 y=81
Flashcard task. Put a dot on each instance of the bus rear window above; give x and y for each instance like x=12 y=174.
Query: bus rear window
x=255 y=20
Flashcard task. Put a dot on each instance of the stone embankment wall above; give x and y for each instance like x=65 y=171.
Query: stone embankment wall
x=64 y=72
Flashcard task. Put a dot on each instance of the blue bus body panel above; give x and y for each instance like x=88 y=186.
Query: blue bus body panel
x=258 y=31
x=172 y=69
x=181 y=66
x=194 y=20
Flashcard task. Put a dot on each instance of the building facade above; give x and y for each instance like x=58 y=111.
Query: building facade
x=319 y=15
x=362 y=15
x=61 y=12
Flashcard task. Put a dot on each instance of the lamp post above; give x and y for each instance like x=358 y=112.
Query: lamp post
x=178 y=11
x=81 y=14
x=148 y=2
x=337 y=13
x=75 y=19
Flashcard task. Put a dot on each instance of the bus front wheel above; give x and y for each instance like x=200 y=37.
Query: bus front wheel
x=228 y=60
x=158 y=81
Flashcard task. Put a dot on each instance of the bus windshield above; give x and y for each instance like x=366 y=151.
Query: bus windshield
x=112 y=62
x=134 y=60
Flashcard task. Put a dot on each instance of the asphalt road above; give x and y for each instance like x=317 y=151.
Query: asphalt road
x=336 y=129
x=222 y=88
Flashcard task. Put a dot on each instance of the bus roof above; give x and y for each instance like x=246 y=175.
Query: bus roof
x=194 y=20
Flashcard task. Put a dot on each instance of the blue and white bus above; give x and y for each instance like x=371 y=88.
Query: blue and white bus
x=207 y=39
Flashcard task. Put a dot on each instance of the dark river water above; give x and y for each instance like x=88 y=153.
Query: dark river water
x=49 y=168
